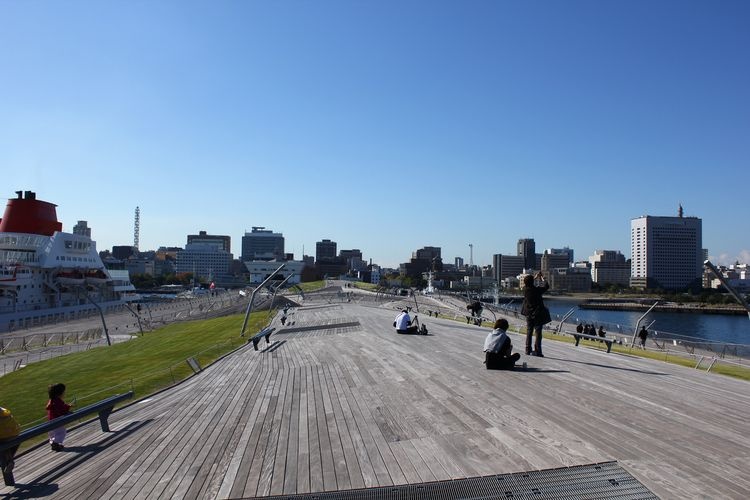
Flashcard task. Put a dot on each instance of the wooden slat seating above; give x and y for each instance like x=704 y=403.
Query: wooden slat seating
x=579 y=336
x=264 y=333
x=103 y=408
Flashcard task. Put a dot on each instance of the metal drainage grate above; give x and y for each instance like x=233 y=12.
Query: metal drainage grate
x=320 y=329
x=602 y=480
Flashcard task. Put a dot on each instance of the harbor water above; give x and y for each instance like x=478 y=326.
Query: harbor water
x=695 y=327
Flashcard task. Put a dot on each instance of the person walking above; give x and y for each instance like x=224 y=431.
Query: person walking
x=537 y=314
x=643 y=335
x=56 y=407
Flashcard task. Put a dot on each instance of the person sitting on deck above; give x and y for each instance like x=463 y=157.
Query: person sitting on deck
x=498 y=348
x=403 y=323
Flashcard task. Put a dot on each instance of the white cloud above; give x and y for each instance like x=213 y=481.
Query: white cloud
x=726 y=259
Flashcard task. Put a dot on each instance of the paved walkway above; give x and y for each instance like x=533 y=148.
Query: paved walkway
x=333 y=405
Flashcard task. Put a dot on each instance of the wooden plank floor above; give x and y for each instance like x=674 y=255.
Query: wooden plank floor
x=330 y=407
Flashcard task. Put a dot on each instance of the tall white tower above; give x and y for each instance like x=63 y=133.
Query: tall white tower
x=137 y=228
x=666 y=252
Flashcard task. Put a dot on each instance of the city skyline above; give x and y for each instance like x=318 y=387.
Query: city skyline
x=381 y=126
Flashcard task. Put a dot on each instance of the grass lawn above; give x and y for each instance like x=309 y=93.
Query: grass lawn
x=740 y=372
x=144 y=364
x=311 y=286
x=366 y=286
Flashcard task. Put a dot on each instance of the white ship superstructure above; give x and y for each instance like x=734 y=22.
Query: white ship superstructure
x=47 y=274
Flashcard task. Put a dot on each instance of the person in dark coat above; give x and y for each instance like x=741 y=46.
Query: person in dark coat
x=537 y=315
x=643 y=335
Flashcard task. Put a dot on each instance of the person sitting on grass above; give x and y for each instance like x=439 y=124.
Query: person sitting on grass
x=498 y=347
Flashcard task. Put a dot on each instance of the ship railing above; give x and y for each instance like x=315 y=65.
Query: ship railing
x=47 y=339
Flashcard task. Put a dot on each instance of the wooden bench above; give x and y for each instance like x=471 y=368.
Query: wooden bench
x=103 y=408
x=266 y=332
x=579 y=336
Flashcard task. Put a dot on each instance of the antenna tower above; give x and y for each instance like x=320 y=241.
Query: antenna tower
x=137 y=228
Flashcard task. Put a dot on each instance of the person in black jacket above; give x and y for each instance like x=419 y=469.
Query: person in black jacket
x=537 y=315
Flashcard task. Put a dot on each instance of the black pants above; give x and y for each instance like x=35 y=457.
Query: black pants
x=531 y=328
x=495 y=361
x=411 y=329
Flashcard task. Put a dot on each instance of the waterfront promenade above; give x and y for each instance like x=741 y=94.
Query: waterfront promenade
x=339 y=401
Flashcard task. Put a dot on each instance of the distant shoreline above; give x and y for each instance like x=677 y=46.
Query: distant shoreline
x=645 y=304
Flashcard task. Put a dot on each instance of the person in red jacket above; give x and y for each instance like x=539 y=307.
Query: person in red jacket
x=56 y=407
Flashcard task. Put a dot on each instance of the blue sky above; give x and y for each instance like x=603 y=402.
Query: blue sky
x=385 y=125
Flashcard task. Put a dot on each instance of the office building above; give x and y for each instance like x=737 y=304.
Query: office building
x=206 y=260
x=260 y=270
x=570 y=279
x=560 y=251
x=325 y=250
x=554 y=261
x=527 y=249
x=353 y=259
x=507 y=266
x=122 y=252
x=262 y=244
x=219 y=242
x=423 y=260
x=609 y=267
x=666 y=252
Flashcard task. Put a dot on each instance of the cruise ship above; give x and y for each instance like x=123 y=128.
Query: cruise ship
x=47 y=275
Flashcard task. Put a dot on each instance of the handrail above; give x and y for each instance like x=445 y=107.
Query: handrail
x=638 y=323
x=566 y=316
x=275 y=291
x=726 y=284
x=252 y=297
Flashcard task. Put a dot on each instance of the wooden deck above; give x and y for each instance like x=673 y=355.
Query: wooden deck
x=343 y=402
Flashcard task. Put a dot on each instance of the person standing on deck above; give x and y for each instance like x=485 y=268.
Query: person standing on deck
x=56 y=407
x=537 y=315
x=643 y=335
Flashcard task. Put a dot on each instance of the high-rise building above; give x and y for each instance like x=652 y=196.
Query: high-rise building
x=206 y=260
x=459 y=262
x=507 y=266
x=353 y=259
x=666 y=252
x=527 y=249
x=559 y=251
x=423 y=260
x=325 y=250
x=262 y=244
x=609 y=267
x=554 y=261
x=219 y=242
